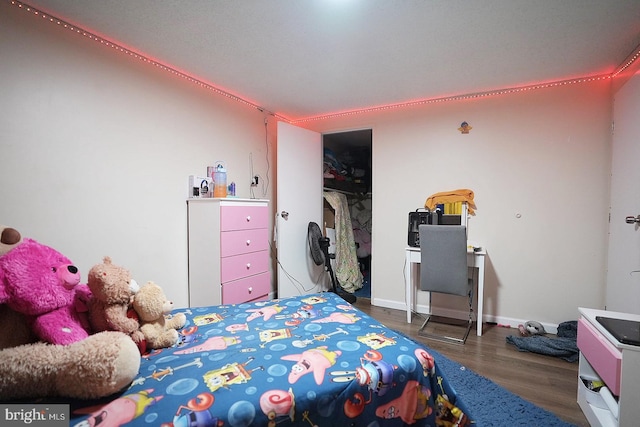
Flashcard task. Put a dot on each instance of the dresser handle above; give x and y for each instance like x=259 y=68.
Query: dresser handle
x=248 y=242
x=248 y=265
x=248 y=218
x=250 y=289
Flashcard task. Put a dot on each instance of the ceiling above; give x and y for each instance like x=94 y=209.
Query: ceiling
x=303 y=59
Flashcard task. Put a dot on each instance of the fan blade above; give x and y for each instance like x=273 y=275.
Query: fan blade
x=313 y=236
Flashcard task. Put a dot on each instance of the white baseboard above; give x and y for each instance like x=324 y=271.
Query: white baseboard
x=550 y=328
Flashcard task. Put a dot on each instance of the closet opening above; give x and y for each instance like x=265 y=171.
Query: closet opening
x=347 y=177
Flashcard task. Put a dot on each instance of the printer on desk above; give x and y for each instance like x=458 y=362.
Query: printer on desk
x=418 y=217
x=425 y=216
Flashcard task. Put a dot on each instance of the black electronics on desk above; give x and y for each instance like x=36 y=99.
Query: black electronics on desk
x=425 y=216
x=420 y=216
x=625 y=331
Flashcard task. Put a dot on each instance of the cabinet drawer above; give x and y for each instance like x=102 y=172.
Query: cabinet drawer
x=243 y=217
x=244 y=241
x=246 y=289
x=603 y=356
x=239 y=266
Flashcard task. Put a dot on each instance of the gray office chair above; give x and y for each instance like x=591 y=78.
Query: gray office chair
x=443 y=269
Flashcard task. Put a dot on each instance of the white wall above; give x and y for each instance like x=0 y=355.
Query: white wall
x=96 y=149
x=543 y=155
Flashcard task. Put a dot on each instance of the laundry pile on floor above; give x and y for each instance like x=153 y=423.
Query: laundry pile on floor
x=563 y=345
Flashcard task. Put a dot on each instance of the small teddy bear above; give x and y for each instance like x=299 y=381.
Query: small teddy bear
x=152 y=307
x=112 y=290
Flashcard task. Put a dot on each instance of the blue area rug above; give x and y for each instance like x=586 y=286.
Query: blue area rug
x=487 y=403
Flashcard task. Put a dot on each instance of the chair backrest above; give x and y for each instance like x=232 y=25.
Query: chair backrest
x=443 y=259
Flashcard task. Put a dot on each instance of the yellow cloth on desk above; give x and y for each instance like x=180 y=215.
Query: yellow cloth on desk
x=461 y=195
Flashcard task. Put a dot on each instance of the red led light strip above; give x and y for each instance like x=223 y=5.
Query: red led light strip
x=628 y=62
x=457 y=98
x=133 y=54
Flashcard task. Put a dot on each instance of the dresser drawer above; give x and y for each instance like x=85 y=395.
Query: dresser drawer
x=247 y=289
x=239 y=266
x=244 y=241
x=243 y=217
x=603 y=356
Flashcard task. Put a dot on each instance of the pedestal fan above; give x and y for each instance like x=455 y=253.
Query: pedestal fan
x=319 y=247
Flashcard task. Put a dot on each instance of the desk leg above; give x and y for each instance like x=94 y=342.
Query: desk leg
x=408 y=284
x=480 y=295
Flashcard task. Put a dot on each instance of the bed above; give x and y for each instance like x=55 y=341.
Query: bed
x=311 y=360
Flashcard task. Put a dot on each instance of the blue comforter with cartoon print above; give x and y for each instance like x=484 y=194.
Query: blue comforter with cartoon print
x=312 y=360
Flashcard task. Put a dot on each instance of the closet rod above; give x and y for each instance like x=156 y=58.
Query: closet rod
x=348 y=193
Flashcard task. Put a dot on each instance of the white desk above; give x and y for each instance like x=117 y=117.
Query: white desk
x=474 y=259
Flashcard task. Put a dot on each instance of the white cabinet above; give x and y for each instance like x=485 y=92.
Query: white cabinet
x=604 y=358
x=229 y=259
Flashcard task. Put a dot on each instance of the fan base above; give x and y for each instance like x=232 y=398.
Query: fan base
x=350 y=298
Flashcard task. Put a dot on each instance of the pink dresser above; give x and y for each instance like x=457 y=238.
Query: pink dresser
x=605 y=360
x=229 y=259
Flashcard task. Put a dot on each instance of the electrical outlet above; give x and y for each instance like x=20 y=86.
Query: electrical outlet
x=254 y=181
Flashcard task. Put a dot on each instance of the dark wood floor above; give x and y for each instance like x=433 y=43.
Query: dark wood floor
x=546 y=381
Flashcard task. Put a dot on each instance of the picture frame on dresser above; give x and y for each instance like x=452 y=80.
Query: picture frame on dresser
x=228 y=251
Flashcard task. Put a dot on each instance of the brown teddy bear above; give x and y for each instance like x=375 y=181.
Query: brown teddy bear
x=112 y=290
x=152 y=307
x=9 y=239
x=98 y=366
x=94 y=367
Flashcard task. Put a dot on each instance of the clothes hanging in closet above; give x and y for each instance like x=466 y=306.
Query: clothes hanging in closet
x=347 y=268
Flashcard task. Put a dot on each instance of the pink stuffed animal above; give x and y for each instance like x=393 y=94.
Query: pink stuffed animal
x=39 y=282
